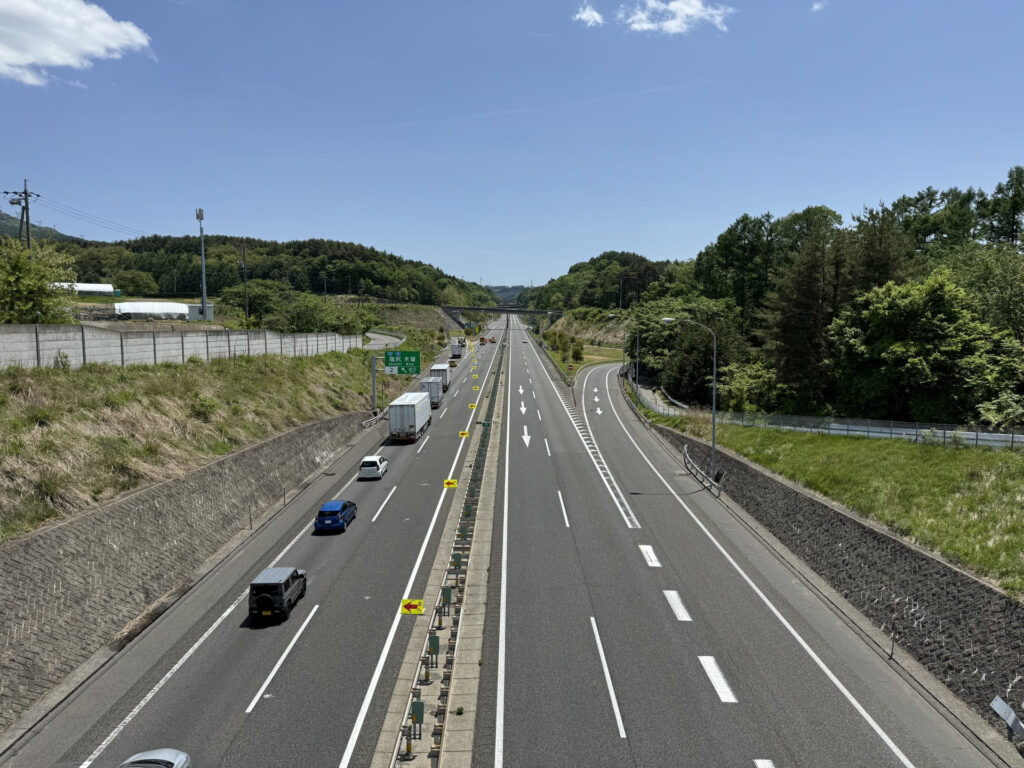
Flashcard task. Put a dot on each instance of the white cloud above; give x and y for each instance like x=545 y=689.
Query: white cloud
x=37 y=34
x=588 y=16
x=817 y=6
x=672 y=17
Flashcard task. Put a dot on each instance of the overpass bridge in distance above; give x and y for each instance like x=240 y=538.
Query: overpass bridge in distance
x=455 y=312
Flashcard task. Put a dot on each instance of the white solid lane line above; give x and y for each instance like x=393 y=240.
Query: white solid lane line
x=346 y=485
x=676 y=603
x=499 y=714
x=562 y=503
x=648 y=552
x=717 y=679
x=547 y=447
x=357 y=727
x=608 y=680
x=266 y=683
x=442 y=414
x=423 y=444
x=178 y=665
x=886 y=739
x=390 y=493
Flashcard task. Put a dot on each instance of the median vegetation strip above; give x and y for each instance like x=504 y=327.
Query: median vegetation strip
x=73 y=439
x=965 y=504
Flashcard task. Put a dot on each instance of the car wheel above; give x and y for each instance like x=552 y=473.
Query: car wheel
x=303 y=593
x=344 y=527
x=285 y=613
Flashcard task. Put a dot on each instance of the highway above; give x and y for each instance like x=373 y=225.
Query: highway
x=633 y=620
x=311 y=690
x=640 y=623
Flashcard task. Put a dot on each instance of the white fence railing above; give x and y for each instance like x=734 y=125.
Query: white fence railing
x=43 y=346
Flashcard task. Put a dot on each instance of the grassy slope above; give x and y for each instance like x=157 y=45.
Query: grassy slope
x=966 y=504
x=70 y=440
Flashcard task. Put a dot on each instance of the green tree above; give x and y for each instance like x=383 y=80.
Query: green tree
x=135 y=282
x=28 y=292
x=994 y=275
x=809 y=294
x=918 y=351
x=265 y=298
x=1004 y=211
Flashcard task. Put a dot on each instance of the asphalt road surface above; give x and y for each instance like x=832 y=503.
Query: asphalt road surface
x=632 y=620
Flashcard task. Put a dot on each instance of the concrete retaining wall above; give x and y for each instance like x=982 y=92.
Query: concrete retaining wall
x=966 y=633
x=32 y=346
x=67 y=589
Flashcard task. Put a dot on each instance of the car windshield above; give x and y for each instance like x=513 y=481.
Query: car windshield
x=369 y=463
x=265 y=589
x=327 y=512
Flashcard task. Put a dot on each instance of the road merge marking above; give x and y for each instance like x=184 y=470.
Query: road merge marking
x=412 y=606
x=451 y=482
x=463 y=433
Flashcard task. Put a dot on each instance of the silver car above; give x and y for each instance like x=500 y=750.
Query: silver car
x=159 y=758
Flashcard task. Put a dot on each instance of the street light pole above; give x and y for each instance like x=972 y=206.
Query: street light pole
x=202 y=255
x=714 y=391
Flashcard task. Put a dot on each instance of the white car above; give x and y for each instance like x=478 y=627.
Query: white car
x=372 y=467
x=159 y=758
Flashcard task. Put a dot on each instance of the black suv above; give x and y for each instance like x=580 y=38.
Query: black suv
x=275 y=592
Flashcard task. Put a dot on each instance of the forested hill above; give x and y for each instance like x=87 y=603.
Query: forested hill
x=912 y=310
x=507 y=293
x=9 y=226
x=171 y=265
x=610 y=280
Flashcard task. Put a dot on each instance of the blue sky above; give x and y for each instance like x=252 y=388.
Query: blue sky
x=501 y=142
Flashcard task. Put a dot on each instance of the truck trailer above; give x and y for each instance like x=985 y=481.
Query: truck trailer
x=409 y=416
x=456 y=349
x=432 y=386
x=441 y=371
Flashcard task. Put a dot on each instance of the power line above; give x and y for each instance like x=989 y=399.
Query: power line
x=92 y=204
x=90 y=218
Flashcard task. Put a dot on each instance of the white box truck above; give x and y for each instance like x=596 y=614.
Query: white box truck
x=456 y=349
x=432 y=386
x=441 y=371
x=409 y=416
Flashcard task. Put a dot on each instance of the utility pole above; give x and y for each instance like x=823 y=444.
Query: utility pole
x=323 y=276
x=25 y=222
x=245 y=283
x=202 y=255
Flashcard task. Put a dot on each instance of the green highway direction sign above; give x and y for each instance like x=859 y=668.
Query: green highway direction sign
x=396 y=361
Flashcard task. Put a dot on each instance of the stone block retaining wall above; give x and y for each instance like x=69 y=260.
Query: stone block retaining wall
x=965 y=632
x=66 y=590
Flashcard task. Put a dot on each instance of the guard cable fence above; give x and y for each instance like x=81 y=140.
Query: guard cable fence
x=936 y=434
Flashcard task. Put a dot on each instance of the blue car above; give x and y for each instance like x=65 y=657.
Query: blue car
x=335 y=516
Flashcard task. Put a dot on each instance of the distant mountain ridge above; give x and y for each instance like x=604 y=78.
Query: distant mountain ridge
x=507 y=293
x=9 y=226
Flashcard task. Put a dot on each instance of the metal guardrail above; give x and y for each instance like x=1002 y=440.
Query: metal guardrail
x=916 y=432
x=398 y=340
x=374 y=419
x=702 y=477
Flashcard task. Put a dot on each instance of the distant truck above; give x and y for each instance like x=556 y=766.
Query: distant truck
x=409 y=416
x=456 y=349
x=432 y=386
x=441 y=371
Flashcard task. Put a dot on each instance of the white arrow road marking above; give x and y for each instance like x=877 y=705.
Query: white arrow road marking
x=520 y=389
x=599 y=411
x=526 y=436
x=597 y=400
x=595 y=389
x=522 y=407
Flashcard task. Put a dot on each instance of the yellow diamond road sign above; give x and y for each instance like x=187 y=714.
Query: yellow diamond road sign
x=412 y=606
x=463 y=433
x=451 y=482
